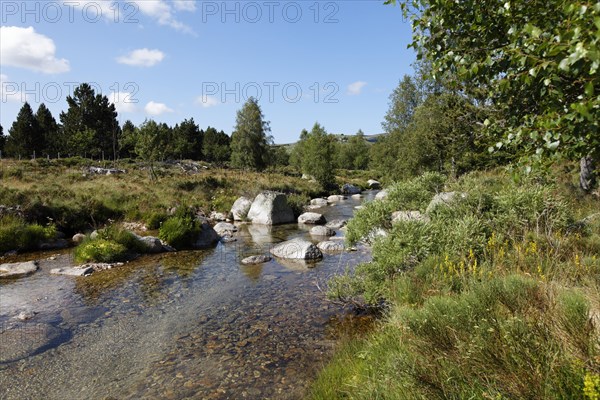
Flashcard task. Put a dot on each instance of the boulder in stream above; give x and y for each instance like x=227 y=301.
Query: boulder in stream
x=311 y=218
x=259 y=259
x=331 y=246
x=297 y=249
x=240 y=208
x=321 y=231
x=18 y=270
x=270 y=208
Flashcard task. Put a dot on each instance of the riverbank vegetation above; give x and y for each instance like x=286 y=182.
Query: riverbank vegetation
x=496 y=294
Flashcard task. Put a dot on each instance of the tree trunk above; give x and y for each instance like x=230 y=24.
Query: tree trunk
x=587 y=173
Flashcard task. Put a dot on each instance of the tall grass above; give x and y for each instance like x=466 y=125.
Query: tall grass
x=16 y=234
x=498 y=296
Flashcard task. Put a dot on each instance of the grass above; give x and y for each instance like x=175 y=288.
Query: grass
x=111 y=244
x=498 y=296
x=60 y=190
x=17 y=234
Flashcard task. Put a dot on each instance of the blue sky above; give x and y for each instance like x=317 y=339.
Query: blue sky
x=335 y=62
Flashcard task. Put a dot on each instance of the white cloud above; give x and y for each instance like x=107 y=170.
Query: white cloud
x=185 y=5
x=142 y=58
x=207 y=101
x=25 y=48
x=356 y=87
x=124 y=102
x=162 y=13
x=153 y=108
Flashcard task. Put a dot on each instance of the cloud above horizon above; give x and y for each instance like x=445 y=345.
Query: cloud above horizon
x=142 y=58
x=356 y=88
x=25 y=48
x=153 y=108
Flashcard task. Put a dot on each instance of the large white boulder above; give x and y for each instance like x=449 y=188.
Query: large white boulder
x=297 y=249
x=240 y=208
x=270 y=208
x=318 y=202
x=17 y=270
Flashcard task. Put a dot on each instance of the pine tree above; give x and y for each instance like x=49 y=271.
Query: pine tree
x=90 y=124
x=24 y=135
x=250 y=140
x=188 y=140
x=49 y=131
x=2 y=140
x=127 y=140
x=216 y=146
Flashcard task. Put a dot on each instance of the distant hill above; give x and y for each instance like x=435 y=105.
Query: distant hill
x=341 y=138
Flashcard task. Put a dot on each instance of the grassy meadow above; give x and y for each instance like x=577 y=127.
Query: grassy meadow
x=496 y=296
x=60 y=195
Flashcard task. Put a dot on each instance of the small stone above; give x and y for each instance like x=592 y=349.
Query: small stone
x=322 y=231
x=311 y=218
x=259 y=259
x=78 y=238
x=336 y=224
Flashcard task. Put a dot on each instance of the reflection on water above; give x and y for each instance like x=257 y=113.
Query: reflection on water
x=194 y=324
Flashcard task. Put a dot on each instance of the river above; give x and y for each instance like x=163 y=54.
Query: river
x=195 y=324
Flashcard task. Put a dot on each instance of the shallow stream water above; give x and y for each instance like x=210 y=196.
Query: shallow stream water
x=196 y=324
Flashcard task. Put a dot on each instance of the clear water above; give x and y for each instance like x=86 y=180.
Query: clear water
x=181 y=325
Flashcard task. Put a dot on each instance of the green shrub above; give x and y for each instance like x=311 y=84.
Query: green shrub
x=180 y=231
x=16 y=234
x=530 y=207
x=414 y=194
x=100 y=250
x=117 y=234
x=154 y=220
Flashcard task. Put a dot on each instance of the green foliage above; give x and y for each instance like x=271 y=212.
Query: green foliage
x=100 y=250
x=413 y=194
x=482 y=343
x=188 y=140
x=116 y=234
x=316 y=150
x=536 y=62
x=404 y=100
x=25 y=136
x=154 y=219
x=152 y=141
x=50 y=132
x=250 y=139
x=90 y=123
x=180 y=231
x=215 y=146
x=279 y=156
x=128 y=139
x=354 y=153
x=2 y=139
x=297 y=203
x=16 y=234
